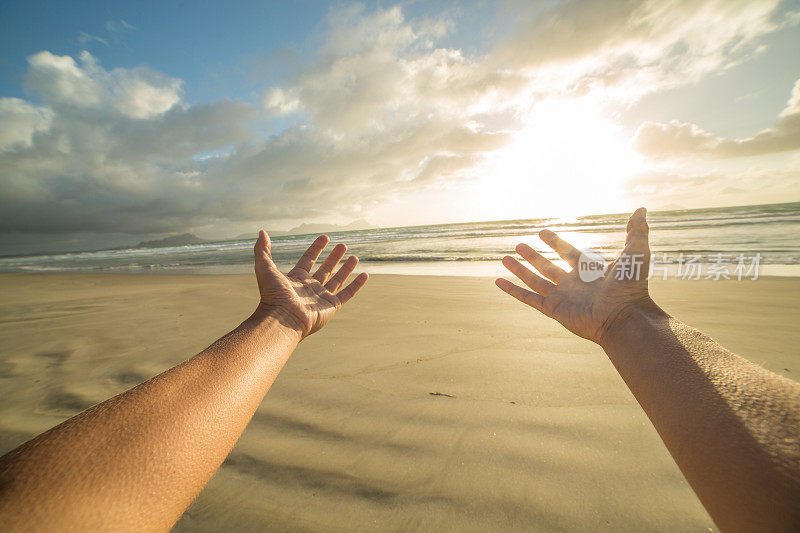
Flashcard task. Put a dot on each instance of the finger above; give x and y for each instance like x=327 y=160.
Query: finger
x=340 y=277
x=324 y=271
x=263 y=244
x=637 y=237
x=263 y=249
x=541 y=263
x=537 y=283
x=307 y=260
x=351 y=290
x=568 y=253
x=523 y=295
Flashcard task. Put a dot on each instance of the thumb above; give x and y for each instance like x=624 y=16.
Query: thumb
x=266 y=270
x=637 y=239
x=263 y=247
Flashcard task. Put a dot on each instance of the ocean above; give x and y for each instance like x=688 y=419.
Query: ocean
x=768 y=235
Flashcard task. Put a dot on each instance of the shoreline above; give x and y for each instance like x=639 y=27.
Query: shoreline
x=398 y=268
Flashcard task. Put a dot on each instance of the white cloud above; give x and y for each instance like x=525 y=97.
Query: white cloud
x=114 y=26
x=86 y=38
x=19 y=120
x=138 y=93
x=683 y=140
x=141 y=93
x=280 y=102
x=59 y=80
x=632 y=47
x=377 y=69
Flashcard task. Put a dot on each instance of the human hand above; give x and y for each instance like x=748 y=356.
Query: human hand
x=302 y=301
x=585 y=308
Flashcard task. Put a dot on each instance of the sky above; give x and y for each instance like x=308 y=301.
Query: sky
x=121 y=121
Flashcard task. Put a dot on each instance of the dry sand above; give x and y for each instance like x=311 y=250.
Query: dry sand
x=532 y=428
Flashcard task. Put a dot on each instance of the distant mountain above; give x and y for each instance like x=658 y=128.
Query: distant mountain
x=304 y=229
x=329 y=228
x=252 y=235
x=173 y=240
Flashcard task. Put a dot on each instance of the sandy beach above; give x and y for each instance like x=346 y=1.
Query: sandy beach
x=432 y=403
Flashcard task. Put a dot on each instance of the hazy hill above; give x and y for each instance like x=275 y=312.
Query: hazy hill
x=173 y=240
x=304 y=229
x=329 y=228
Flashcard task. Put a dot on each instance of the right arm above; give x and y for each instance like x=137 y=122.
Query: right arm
x=732 y=427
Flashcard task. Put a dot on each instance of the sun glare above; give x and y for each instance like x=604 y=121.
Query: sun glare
x=568 y=160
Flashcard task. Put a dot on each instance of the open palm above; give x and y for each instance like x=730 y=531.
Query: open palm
x=305 y=302
x=586 y=308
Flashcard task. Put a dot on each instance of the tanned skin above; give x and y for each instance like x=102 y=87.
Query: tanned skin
x=732 y=427
x=136 y=461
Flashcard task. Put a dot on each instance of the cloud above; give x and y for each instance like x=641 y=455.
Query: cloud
x=19 y=120
x=381 y=108
x=85 y=38
x=123 y=153
x=633 y=47
x=666 y=188
x=138 y=93
x=113 y=26
x=107 y=150
x=376 y=69
x=280 y=102
x=682 y=140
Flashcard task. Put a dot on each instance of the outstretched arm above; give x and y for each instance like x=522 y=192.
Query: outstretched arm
x=732 y=427
x=136 y=461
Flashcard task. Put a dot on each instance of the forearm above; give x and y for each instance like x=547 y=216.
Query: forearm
x=138 y=459
x=731 y=426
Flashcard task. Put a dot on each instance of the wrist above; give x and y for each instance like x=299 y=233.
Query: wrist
x=628 y=319
x=280 y=320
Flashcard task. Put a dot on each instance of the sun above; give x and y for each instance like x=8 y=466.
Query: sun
x=569 y=159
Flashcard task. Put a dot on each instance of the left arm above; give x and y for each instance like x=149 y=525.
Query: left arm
x=136 y=461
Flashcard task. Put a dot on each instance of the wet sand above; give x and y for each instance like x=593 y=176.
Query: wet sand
x=433 y=403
